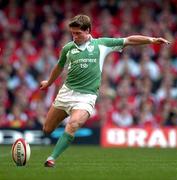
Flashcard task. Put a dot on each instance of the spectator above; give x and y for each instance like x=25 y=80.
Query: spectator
x=122 y=116
x=17 y=118
x=149 y=68
x=126 y=65
x=146 y=115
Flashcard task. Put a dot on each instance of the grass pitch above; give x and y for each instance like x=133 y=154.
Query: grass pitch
x=93 y=163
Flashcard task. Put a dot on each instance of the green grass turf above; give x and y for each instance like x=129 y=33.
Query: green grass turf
x=93 y=163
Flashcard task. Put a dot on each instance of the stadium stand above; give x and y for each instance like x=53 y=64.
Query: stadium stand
x=139 y=86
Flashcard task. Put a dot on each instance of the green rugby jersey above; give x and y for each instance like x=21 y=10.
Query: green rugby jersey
x=85 y=62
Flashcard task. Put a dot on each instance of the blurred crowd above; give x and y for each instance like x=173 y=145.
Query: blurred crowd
x=139 y=85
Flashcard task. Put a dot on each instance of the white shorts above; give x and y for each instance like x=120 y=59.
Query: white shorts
x=68 y=99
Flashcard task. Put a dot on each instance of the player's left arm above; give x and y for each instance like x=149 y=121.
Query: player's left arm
x=140 y=40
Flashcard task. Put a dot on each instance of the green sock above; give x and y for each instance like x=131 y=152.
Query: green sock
x=64 y=141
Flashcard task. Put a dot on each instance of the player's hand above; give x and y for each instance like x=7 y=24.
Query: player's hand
x=44 y=85
x=160 y=41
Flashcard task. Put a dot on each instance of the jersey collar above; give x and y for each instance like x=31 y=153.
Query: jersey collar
x=82 y=47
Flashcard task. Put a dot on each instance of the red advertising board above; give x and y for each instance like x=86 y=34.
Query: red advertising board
x=113 y=136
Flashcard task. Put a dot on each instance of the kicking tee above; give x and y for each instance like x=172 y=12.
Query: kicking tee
x=85 y=62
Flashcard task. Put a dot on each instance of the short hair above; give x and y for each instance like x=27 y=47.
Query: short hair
x=81 y=21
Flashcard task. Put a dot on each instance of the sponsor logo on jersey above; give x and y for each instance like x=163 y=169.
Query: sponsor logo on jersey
x=84 y=61
x=74 y=51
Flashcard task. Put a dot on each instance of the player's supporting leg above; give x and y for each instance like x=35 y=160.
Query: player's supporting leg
x=77 y=119
x=53 y=119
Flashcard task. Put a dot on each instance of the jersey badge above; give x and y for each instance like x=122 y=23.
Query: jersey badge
x=90 y=48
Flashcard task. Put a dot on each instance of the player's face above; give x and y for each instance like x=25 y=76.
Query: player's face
x=79 y=36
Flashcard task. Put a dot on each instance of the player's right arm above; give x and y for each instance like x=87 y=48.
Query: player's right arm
x=56 y=71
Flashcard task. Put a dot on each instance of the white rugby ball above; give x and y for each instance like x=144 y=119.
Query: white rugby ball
x=21 y=152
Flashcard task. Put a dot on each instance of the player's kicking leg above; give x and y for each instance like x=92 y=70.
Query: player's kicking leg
x=77 y=119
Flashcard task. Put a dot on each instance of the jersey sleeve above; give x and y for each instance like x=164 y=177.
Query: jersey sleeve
x=116 y=44
x=63 y=57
